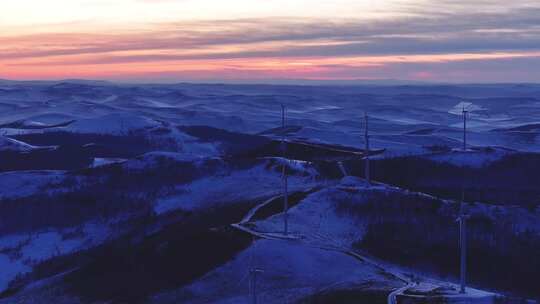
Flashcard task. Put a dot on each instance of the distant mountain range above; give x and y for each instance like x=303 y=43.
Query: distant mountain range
x=270 y=81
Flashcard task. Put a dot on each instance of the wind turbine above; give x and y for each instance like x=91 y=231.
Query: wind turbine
x=366 y=151
x=284 y=175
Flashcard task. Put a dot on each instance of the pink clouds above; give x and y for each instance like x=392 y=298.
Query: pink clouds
x=406 y=48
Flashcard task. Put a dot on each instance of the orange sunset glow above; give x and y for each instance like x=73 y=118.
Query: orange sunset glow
x=167 y=40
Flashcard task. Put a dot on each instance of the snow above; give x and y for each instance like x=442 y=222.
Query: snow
x=296 y=165
x=468 y=106
x=12 y=241
x=155 y=103
x=26 y=250
x=40 y=246
x=99 y=162
x=15 y=131
x=117 y=109
x=97 y=232
x=430 y=291
x=9 y=144
x=472 y=159
x=52 y=118
x=116 y=123
x=290 y=272
x=318 y=222
x=46 y=245
x=229 y=186
x=9 y=270
x=152 y=159
x=24 y=183
x=448 y=290
x=326 y=115
x=402 y=120
x=190 y=145
x=315 y=223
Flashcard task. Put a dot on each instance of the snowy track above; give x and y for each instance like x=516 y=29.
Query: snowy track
x=393 y=295
x=254 y=210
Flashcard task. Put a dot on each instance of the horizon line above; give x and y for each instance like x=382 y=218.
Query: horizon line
x=271 y=81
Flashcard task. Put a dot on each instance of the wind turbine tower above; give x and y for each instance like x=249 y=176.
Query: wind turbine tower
x=463 y=254
x=253 y=284
x=462 y=219
x=284 y=175
x=465 y=129
x=366 y=151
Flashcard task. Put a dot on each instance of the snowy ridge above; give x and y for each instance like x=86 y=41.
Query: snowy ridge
x=111 y=124
x=10 y=144
x=19 y=253
x=26 y=183
x=264 y=179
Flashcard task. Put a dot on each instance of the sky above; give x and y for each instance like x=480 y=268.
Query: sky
x=268 y=40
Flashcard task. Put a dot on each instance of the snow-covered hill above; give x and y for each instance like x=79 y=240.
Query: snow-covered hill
x=192 y=185
x=125 y=193
x=326 y=114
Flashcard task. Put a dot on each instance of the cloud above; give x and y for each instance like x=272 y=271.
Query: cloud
x=437 y=30
x=472 y=32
